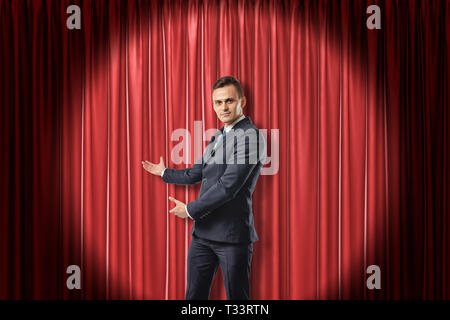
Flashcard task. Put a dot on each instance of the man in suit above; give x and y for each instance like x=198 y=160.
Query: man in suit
x=223 y=232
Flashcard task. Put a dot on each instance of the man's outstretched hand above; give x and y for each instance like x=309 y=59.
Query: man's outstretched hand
x=180 y=208
x=154 y=168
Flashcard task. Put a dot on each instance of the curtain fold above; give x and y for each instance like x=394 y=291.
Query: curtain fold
x=355 y=121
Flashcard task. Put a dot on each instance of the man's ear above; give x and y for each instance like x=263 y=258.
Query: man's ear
x=243 y=102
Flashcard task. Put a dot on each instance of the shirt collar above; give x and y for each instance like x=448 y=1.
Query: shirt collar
x=227 y=129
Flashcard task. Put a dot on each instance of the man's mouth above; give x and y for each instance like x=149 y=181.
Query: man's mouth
x=226 y=114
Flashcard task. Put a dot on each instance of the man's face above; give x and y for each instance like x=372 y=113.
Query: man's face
x=227 y=104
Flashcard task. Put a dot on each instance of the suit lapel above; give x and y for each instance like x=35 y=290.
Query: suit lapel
x=219 y=132
x=210 y=146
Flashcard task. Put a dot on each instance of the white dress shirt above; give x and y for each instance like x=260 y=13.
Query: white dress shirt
x=227 y=129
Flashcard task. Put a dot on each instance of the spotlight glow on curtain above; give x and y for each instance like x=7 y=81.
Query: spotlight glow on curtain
x=361 y=117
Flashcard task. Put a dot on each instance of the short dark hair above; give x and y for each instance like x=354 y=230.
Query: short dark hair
x=229 y=80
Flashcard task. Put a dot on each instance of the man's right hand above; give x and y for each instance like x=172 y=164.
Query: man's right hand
x=154 y=168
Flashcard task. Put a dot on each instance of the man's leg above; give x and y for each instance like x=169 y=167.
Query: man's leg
x=202 y=264
x=235 y=261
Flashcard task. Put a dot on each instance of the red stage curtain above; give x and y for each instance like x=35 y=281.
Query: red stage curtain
x=361 y=118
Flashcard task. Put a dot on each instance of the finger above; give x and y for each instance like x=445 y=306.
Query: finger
x=173 y=200
x=177 y=202
x=176 y=213
x=161 y=160
x=148 y=167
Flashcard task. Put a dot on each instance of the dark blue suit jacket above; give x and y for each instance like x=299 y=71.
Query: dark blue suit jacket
x=223 y=210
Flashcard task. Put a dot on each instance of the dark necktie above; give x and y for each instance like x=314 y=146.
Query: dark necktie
x=224 y=134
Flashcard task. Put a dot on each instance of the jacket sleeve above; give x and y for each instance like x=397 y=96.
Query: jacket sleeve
x=233 y=179
x=186 y=176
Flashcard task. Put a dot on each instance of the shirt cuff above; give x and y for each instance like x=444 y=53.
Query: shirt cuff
x=162 y=173
x=187 y=211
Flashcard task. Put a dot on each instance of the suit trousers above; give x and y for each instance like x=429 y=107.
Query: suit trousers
x=205 y=256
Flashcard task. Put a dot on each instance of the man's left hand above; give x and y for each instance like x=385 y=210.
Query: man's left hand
x=180 y=208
